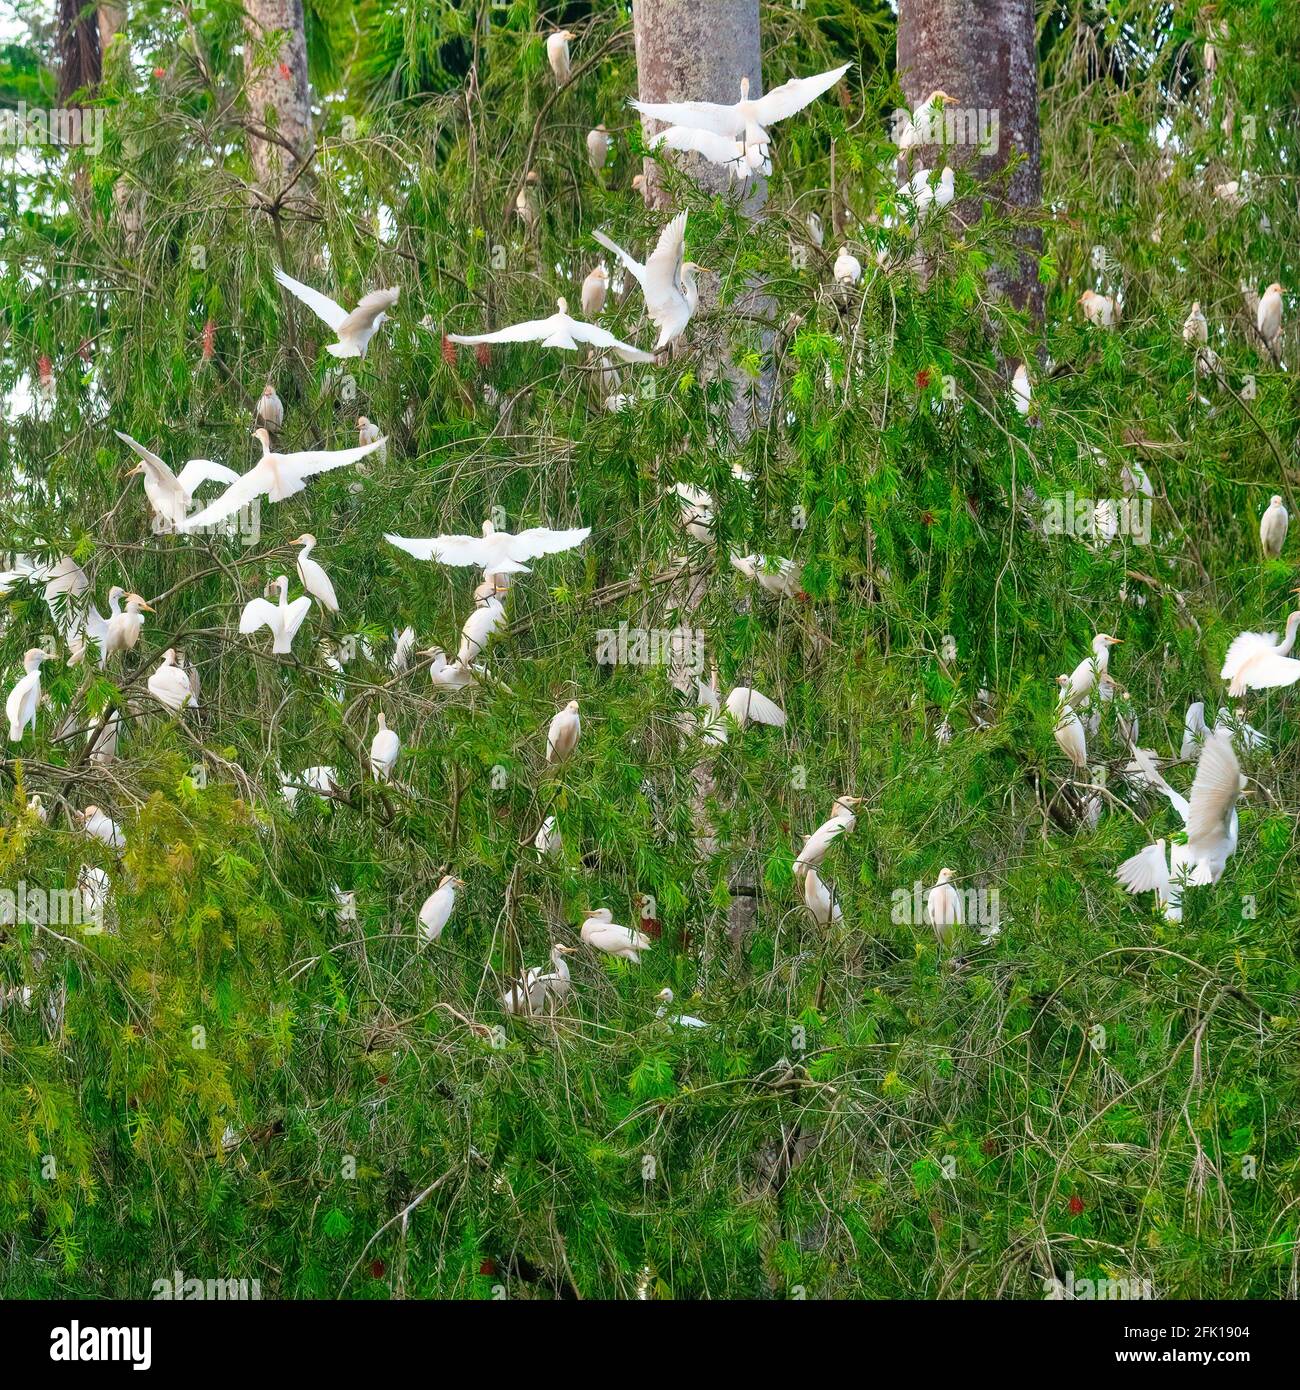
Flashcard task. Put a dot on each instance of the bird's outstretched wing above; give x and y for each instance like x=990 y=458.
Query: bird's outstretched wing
x=258 y=612
x=541 y=540
x=794 y=95
x=717 y=149
x=144 y=453
x=1244 y=646
x=634 y=266
x=533 y=330
x=601 y=338
x=238 y=494
x=1145 y=760
x=199 y=471
x=451 y=550
x=296 y=467
x=749 y=706
x=1214 y=789
x=297 y=611
x=663 y=268
x=321 y=305
x=1146 y=871
x=697 y=115
x=1267 y=670
x=363 y=316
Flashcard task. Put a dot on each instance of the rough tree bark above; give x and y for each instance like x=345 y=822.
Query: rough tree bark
x=111 y=20
x=688 y=51
x=983 y=54
x=79 y=59
x=278 y=97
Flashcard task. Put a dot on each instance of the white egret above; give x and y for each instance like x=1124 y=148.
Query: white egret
x=123 y=629
x=1194 y=729
x=323 y=781
x=1133 y=478
x=678 y=1020
x=450 y=675
x=597 y=151
x=403 y=646
x=172 y=494
x=556 y=982
x=696 y=512
x=438 y=906
x=270 y=408
x=928 y=195
x=36 y=807
x=943 y=908
x=847 y=268
x=355 y=329
x=1101 y=310
x=479 y=629
x=548 y=841
x=557 y=54
x=283 y=619
x=667 y=280
x=595 y=288
x=1258 y=661
x=1021 y=391
x=745 y=705
x=1082 y=681
x=276 y=476
x=101 y=827
x=170 y=684
x=771 y=573
x=920 y=127
x=1268 y=317
x=1070 y=732
x=384 y=748
x=842 y=821
x=1273 y=526
x=102 y=743
x=94 y=627
x=602 y=932
x=563 y=733
x=558 y=331
x=738 y=155
x=821 y=899
x=1196 y=330
x=25 y=697
x=495 y=552
x=313 y=577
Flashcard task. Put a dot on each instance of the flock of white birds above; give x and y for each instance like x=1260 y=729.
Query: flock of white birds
x=736 y=136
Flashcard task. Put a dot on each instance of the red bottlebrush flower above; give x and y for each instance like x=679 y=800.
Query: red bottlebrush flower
x=84 y=351
x=1076 y=1206
x=382 y=1079
x=44 y=369
x=209 y=340
x=160 y=72
x=989 y=1147
x=923 y=378
x=483 y=354
x=377 y=1269
x=449 y=352
x=285 y=72
x=488 y=1267
x=649 y=924
x=927 y=518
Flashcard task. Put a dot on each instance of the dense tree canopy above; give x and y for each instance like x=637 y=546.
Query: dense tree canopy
x=248 y=1075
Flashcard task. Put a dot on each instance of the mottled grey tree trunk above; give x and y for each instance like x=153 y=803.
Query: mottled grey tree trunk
x=278 y=97
x=692 y=51
x=112 y=20
x=983 y=53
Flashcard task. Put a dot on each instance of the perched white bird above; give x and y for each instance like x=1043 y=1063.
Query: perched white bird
x=747 y=120
x=594 y=290
x=562 y=736
x=920 y=127
x=678 y=1020
x=403 y=646
x=1070 y=733
x=1101 y=310
x=276 y=476
x=1195 y=730
x=172 y=494
x=820 y=899
x=816 y=231
x=601 y=931
x=847 y=269
x=1196 y=331
x=1084 y=677
x=102 y=743
x=101 y=827
x=1258 y=661
x=313 y=577
x=928 y=195
x=556 y=982
x=525 y=996
x=495 y=552
x=667 y=280
x=597 y=149
x=123 y=629
x=270 y=408
x=548 y=841
x=744 y=705
x=943 y=908
x=369 y=433
x=93 y=627
x=283 y=619
x=170 y=684
x=36 y=807
x=1021 y=392
x=558 y=331
x=438 y=906
x=1133 y=478
x=527 y=206
x=324 y=781
x=1268 y=317
x=771 y=573
x=696 y=508
x=557 y=54
x=450 y=675
x=1272 y=527
x=354 y=330
x=842 y=820
x=480 y=627
x=25 y=697
x=384 y=748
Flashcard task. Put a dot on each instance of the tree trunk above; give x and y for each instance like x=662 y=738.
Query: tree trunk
x=111 y=19
x=983 y=53
x=79 y=61
x=688 y=51
x=278 y=99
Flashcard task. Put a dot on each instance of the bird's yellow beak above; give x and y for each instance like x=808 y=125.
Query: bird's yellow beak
x=131 y=472
x=148 y=608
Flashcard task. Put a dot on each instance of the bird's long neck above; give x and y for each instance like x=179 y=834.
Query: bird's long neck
x=690 y=289
x=284 y=592
x=1292 y=625
x=308 y=547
